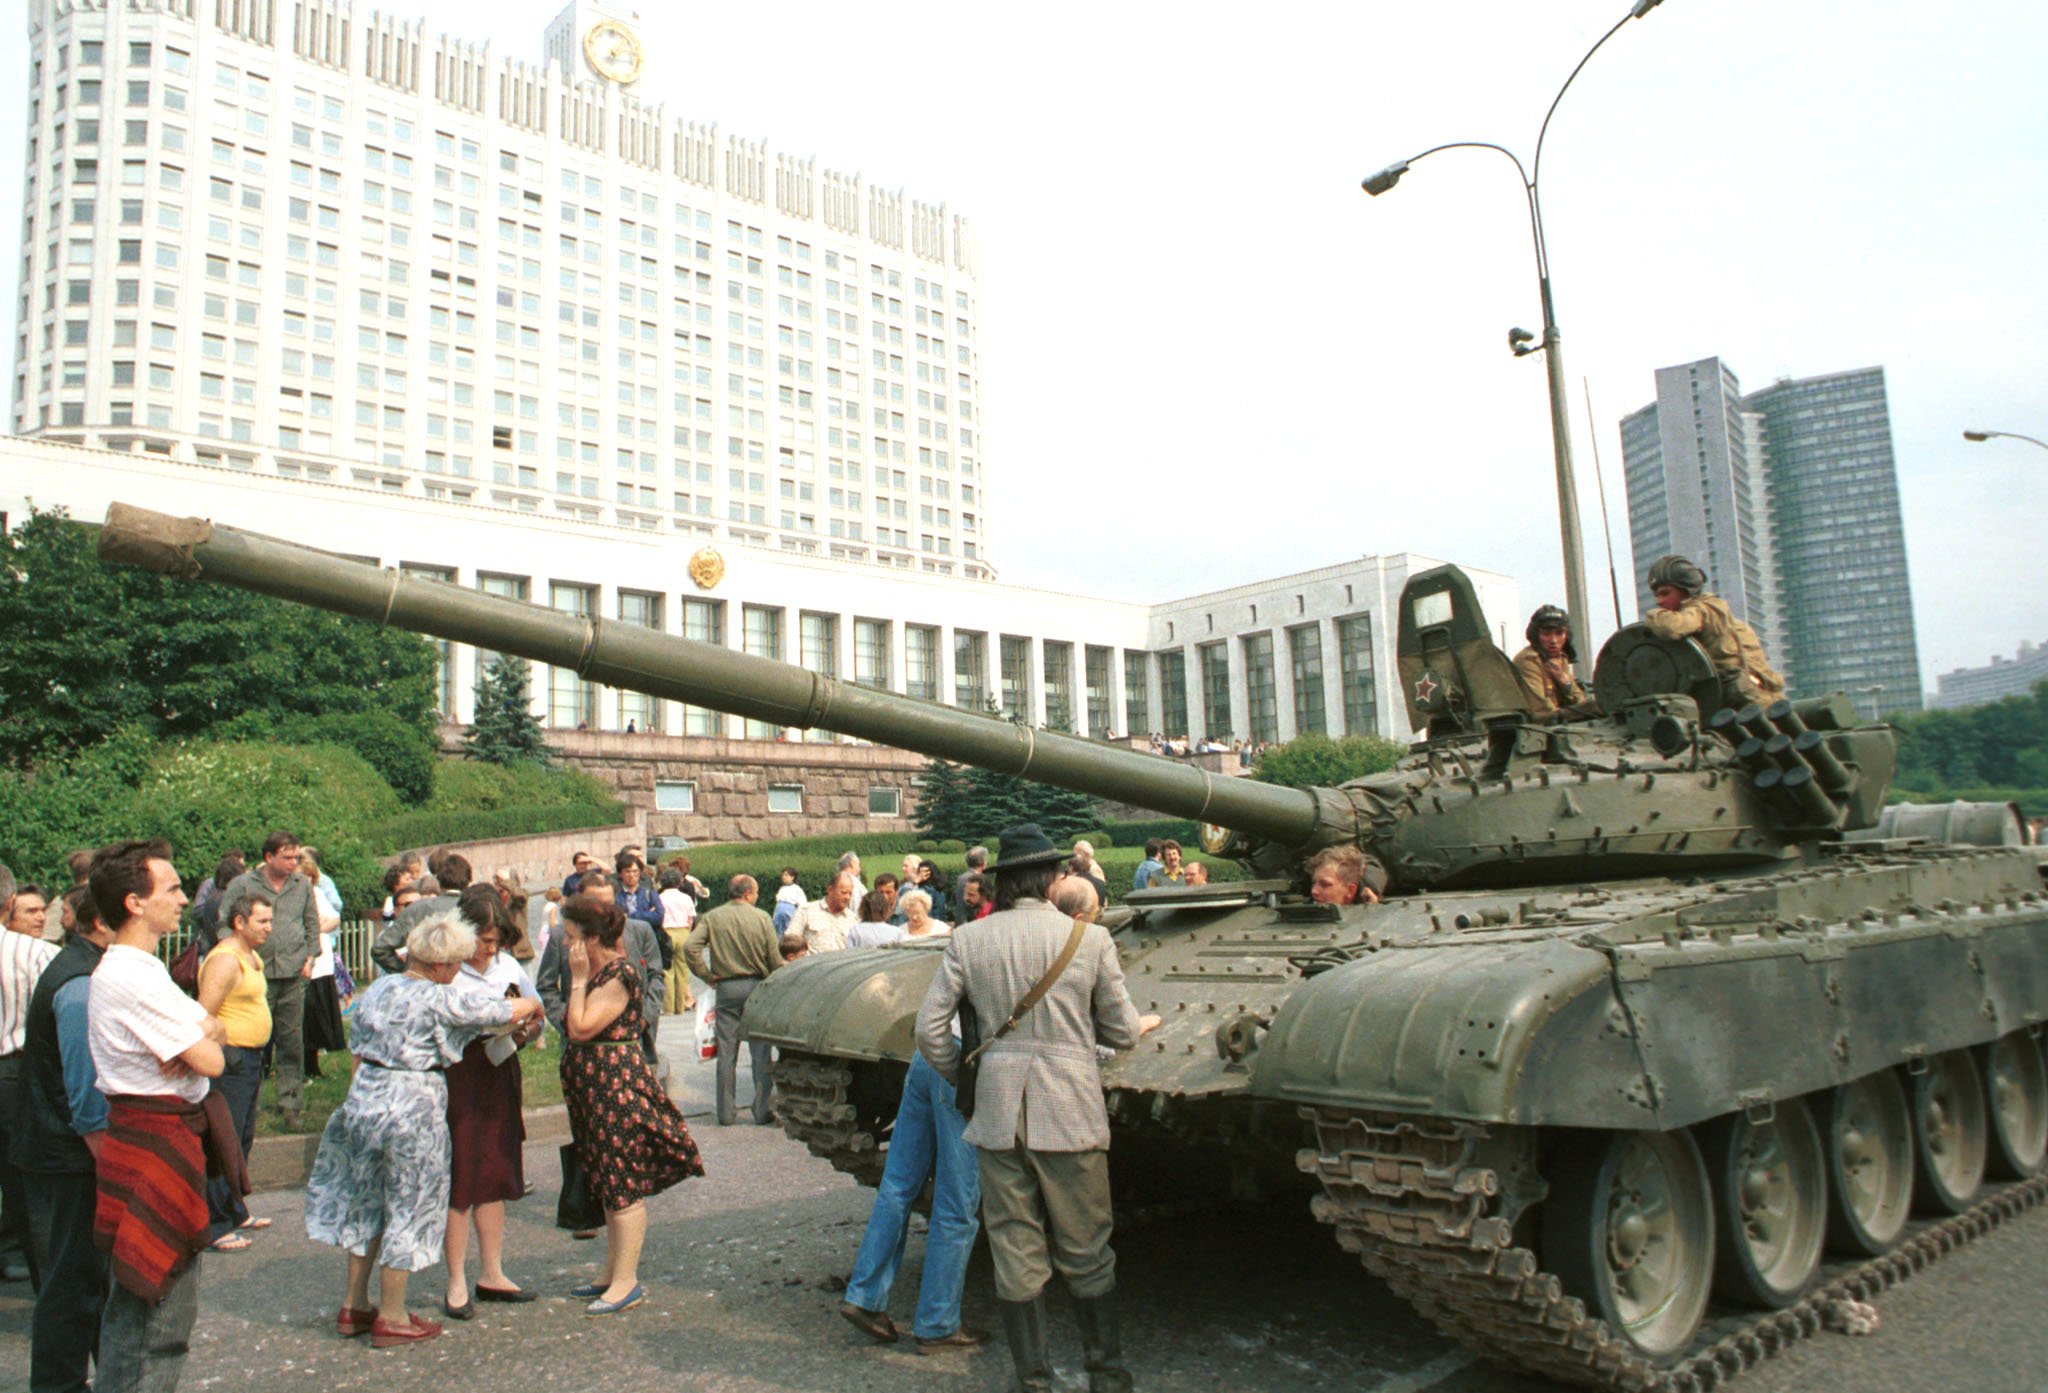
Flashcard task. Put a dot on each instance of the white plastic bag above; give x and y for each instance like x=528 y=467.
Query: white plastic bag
x=707 y=1027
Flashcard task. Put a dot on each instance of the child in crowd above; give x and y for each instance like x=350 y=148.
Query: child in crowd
x=788 y=899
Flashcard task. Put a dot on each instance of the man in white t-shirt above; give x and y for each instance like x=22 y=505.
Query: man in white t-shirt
x=153 y=1048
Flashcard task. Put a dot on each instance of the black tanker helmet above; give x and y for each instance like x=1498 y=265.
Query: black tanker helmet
x=1551 y=617
x=1676 y=570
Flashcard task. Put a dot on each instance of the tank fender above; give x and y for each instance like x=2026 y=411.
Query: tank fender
x=1460 y=1030
x=859 y=1004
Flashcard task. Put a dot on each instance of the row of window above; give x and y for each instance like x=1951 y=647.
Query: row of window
x=680 y=796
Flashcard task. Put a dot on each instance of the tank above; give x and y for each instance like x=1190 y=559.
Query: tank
x=1656 y=1053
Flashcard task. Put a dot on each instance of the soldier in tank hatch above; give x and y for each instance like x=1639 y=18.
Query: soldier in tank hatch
x=1687 y=609
x=1544 y=668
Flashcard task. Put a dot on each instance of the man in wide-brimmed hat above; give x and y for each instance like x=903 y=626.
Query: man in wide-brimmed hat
x=1039 y=1121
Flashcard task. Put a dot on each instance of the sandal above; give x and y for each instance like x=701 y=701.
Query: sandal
x=229 y=1243
x=254 y=1222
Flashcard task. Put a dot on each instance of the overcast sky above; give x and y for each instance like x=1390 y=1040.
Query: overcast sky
x=1207 y=357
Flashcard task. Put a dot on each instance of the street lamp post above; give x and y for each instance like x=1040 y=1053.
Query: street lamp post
x=1980 y=436
x=1520 y=341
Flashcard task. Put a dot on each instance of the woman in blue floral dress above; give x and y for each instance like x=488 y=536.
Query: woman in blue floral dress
x=631 y=1139
x=380 y=1182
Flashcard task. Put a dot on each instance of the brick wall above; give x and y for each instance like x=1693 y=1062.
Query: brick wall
x=730 y=780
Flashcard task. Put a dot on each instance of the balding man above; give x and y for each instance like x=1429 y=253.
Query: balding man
x=825 y=923
x=733 y=947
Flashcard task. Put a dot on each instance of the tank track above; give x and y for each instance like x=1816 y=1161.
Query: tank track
x=814 y=1102
x=1418 y=1203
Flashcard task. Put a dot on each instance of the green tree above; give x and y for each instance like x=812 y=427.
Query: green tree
x=943 y=801
x=1313 y=761
x=92 y=649
x=506 y=730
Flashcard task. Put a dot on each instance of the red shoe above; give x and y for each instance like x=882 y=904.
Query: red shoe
x=352 y=1322
x=384 y=1335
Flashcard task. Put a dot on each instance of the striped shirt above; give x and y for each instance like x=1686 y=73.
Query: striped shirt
x=22 y=960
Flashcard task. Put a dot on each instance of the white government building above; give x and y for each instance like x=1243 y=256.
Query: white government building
x=312 y=270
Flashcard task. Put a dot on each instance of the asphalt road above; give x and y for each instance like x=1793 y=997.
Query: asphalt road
x=745 y=1266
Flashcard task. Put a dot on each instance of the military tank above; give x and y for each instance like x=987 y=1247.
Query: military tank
x=1655 y=1055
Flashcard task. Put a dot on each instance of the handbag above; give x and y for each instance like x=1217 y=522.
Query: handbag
x=578 y=1206
x=968 y=1074
x=185 y=967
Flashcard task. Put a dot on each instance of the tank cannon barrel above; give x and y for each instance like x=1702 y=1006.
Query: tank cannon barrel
x=701 y=674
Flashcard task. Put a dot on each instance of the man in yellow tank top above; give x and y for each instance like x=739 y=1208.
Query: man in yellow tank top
x=232 y=989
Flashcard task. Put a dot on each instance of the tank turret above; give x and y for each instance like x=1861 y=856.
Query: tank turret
x=1491 y=797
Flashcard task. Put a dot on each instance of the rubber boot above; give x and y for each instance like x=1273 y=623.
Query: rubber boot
x=1024 y=1327
x=1102 y=1344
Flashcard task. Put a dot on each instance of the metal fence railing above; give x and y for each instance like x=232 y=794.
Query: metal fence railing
x=352 y=940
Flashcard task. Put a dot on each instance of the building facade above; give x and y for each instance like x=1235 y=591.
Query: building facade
x=312 y=240
x=1309 y=652
x=1998 y=679
x=1788 y=498
x=321 y=273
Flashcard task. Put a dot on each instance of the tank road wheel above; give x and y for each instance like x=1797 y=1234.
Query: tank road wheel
x=2016 y=1082
x=1951 y=1132
x=1770 y=1204
x=1867 y=1133
x=1629 y=1230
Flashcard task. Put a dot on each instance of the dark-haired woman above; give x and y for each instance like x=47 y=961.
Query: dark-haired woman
x=631 y=1139
x=485 y=1127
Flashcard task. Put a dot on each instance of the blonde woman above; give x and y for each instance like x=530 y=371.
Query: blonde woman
x=380 y=1182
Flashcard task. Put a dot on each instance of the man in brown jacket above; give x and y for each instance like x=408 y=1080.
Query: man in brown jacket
x=1039 y=1122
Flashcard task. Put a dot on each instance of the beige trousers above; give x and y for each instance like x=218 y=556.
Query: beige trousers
x=1045 y=1210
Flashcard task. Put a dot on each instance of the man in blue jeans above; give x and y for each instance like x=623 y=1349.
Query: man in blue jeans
x=926 y=1138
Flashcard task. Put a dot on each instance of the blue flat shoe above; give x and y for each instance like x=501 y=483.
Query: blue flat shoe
x=587 y=1290
x=611 y=1308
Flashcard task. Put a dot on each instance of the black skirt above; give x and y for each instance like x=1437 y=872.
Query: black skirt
x=323 y=1016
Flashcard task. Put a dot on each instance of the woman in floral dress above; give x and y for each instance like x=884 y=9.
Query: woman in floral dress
x=631 y=1139
x=380 y=1182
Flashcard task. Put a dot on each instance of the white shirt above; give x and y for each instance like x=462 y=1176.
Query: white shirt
x=323 y=961
x=136 y=1021
x=875 y=935
x=504 y=976
x=824 y=931
x=678 y=910
x=791 y=894
x=22 y=960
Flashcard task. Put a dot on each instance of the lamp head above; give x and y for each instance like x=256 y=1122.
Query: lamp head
x=1980 y=436
x=1521 y=341
x=1642 y=7
x=1377 y=184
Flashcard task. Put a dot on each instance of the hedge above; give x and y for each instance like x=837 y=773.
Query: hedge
x=433 y=827
x=206 y=797
x=1138 y=831
x=468 y=785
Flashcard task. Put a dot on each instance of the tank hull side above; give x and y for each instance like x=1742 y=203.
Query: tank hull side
x=1687 y=1004
x=859 y=1004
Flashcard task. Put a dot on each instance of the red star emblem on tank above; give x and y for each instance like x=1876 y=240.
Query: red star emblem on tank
x=1426 y=688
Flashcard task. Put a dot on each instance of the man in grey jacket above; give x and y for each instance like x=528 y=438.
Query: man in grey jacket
x=551 y=970
x=1039 y=1122
x=287 y=958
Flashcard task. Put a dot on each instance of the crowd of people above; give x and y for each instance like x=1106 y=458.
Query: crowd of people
x=1247 y=752
x=131 y=1077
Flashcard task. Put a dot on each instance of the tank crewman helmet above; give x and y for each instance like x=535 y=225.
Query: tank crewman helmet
x=1676 y=570
x=1551 y=617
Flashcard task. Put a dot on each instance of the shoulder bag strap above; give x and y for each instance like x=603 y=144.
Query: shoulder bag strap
x=1038 y=990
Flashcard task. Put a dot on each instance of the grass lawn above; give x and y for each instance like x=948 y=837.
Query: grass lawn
x=540 y=1067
